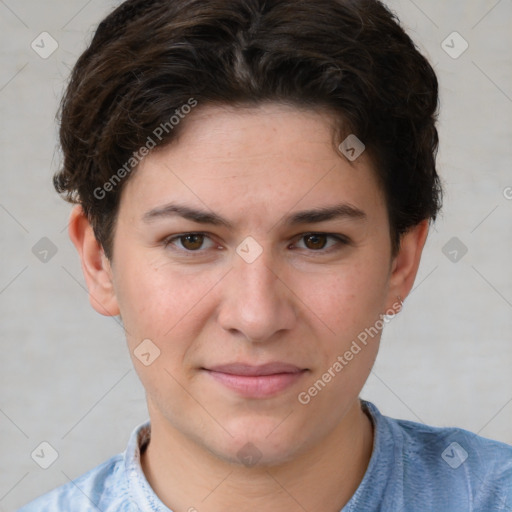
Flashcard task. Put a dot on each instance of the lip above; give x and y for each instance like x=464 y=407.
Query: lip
x=256 y=381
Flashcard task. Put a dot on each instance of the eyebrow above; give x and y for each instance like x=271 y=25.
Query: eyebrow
x=315 y=215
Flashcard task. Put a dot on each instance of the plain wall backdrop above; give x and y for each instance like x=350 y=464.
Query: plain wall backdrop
x=66 y=376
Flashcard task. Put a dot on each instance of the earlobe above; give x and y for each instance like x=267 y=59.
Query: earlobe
x=406 y=263
x=95 y=265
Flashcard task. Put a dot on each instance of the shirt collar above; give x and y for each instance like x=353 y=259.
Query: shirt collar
x=140 y=490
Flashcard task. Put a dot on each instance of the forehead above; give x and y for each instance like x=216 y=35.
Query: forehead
x=259 y=159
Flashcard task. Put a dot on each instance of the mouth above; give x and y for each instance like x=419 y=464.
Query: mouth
x=256 y=381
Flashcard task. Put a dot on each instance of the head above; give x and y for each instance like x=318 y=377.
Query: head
x=221 y=214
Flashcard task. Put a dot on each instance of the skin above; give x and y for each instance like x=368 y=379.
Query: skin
x=300 y=302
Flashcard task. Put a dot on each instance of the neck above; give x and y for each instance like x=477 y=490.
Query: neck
x=188 y=478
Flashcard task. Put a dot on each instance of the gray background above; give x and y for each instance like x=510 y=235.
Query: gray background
x=66 y=377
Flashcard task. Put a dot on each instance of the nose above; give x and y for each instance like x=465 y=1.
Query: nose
x=256 y=302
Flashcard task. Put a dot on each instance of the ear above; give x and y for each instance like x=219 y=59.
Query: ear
x=95 y=265
x=404 y=266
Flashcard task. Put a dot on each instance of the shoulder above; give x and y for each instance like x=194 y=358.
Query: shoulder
x=455 y=447
x=452 y=462
x=91 y=491
x=107 y=487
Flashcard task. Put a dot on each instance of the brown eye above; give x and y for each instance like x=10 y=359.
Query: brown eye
x=322 y=242
x=315 y=241
x=192 y=241
x=187 y=243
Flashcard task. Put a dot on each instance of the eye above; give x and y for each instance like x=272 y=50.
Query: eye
x=190 y=242
x=317 y=242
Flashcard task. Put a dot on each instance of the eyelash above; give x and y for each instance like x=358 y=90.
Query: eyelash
x=340 y=239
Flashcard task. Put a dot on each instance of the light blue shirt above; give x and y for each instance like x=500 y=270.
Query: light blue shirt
x=413 y=468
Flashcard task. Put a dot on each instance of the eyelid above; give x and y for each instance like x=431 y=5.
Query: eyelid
x=340 y=239
x=169 y=239
x=338 y=236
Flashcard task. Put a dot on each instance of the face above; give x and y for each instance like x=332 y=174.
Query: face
x=252 y=254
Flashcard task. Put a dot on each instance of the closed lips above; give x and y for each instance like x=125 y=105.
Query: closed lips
x=255 y=371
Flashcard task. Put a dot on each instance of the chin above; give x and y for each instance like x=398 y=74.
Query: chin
x=257 y=454
x=260 y=443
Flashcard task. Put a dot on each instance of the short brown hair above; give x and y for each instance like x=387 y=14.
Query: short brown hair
x=149 y=58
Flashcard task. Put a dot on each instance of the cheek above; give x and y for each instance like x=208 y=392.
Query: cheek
x=349 y=304
x=161 y=303
x=346 y=300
